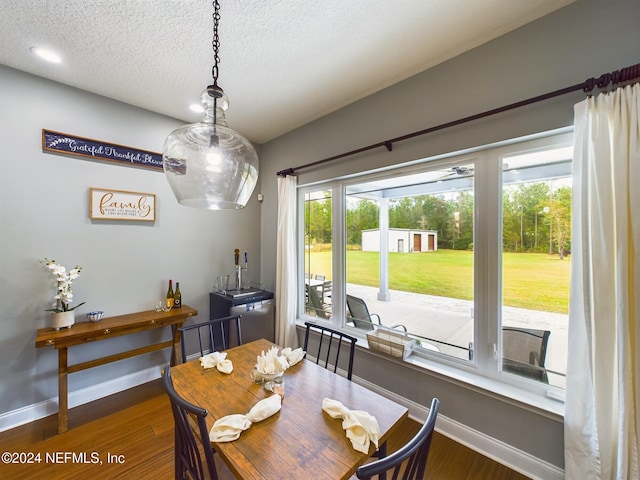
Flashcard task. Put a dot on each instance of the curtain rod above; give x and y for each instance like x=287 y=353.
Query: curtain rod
x=616 y=77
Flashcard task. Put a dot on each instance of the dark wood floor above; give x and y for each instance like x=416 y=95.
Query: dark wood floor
x=129 y=435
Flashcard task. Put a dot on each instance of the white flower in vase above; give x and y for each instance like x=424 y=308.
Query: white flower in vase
x=64 y=294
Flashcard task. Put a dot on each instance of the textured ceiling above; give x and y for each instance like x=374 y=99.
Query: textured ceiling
x=283 y=63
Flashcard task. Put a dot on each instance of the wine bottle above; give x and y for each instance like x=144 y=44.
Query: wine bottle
x=177 y=297
x=169 y=302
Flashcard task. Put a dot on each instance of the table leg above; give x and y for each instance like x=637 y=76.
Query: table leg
x=176 y=353
x=63 y=401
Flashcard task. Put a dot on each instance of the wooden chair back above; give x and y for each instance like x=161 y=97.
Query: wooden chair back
x=187 y=448
x=212 y=335
x=330 y=344
x=409 y=462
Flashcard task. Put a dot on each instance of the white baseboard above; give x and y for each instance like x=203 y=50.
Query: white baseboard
x=490 y=447
x=48 y=407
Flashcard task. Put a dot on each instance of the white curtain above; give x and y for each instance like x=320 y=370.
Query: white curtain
x=286 y=290
x=602 y=411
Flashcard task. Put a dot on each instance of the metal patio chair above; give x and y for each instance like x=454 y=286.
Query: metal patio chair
x=360 y=316
x=524 y=352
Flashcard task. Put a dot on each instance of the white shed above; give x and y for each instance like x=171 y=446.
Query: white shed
x=402 y=240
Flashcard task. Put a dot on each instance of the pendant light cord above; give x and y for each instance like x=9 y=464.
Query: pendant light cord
x=215 y=43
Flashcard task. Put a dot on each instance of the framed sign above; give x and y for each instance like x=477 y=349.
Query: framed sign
x=56 y=142
x=107 y=204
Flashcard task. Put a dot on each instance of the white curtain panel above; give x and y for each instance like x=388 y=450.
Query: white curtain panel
x=286 y=291
x=602 y=411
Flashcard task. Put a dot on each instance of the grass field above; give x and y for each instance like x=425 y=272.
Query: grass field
x=531 y=280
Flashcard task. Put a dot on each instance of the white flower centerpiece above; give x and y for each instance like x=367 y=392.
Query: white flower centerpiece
x=270 y=366
x=271 y=363
x=63 y=314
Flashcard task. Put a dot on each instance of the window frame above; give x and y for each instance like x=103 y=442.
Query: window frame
x=486 y=364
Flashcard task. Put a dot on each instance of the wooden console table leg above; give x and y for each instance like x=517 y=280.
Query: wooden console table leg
x=63 y=401
x=176 y=352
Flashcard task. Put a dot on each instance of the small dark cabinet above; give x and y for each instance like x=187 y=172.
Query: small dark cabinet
x=256 y=308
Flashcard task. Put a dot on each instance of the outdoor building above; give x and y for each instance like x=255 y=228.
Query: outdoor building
x=401 y=240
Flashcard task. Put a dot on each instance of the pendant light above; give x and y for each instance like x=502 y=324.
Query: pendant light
x=207 y=164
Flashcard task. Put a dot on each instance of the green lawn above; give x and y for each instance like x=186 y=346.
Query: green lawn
x=531 y=280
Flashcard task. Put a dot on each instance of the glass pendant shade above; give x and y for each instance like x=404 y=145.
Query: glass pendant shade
x=207 y=164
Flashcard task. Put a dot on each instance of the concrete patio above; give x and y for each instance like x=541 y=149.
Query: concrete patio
x=450 y=320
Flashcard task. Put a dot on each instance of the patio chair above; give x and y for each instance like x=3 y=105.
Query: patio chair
x=360 y=316
x=326 y=290
x=524 y=352
x=410 y=460
x=315 y=303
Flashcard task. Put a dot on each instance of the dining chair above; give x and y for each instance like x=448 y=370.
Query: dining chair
x=187 y=449
x=333 y=341
x=524 y=352
x=360 y=316
x=330 y=344
x=410 y=460
x=212 y=335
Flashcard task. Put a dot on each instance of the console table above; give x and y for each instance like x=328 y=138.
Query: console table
x=85 y=332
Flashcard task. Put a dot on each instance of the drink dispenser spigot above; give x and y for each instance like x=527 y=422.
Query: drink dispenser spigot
x=236 y=257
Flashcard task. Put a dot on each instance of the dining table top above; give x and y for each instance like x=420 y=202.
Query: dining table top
x=300 y=441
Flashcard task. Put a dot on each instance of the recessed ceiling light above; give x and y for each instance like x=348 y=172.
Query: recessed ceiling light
x=46 y=54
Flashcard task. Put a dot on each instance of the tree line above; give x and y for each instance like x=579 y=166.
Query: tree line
x=536 y=218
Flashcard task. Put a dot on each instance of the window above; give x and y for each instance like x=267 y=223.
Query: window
x=466 y=254
x=536 y=232
x=318 y=253
x=410 y=243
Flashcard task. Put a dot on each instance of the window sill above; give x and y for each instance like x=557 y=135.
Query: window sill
x=502 y=391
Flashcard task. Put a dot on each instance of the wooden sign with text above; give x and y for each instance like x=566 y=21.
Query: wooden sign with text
x=57 y=142
x=106 y=204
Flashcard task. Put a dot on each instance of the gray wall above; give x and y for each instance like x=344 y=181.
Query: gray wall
x=44 y=212
x=581 y=40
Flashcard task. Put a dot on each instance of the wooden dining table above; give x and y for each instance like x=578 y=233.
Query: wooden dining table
x=300 y=441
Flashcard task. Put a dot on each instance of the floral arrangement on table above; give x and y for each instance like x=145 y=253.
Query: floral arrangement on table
x=64 y=295
x=272 y=363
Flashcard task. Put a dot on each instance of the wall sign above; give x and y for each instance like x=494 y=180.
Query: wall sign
x=106 y=204
x=56 y=142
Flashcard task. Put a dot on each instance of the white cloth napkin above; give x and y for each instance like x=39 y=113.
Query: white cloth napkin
x=293 y=356
x=225 y=366
x=361 y=427
x=218 y=360
x=271 y=362
x=229 y=428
